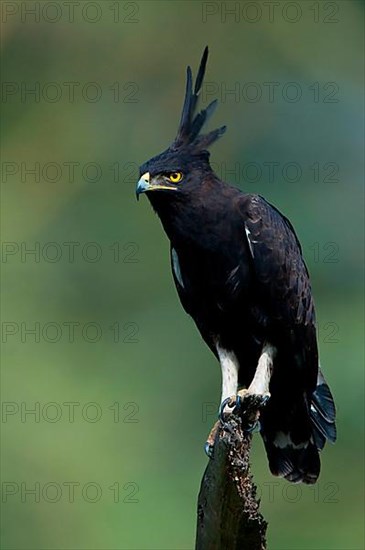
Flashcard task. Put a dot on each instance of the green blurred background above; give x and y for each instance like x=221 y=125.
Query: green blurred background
x=143 y=385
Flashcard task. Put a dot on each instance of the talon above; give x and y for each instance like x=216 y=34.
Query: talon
x=208 y=449
x=265 y=399
x=237 y=405
x=230 y=402
x=209 y=445
x=257 y=399
x=253 y=428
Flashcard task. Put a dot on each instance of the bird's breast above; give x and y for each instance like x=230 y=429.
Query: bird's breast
x=213 y=280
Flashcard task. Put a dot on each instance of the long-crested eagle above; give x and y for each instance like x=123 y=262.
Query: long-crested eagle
x=239 y=272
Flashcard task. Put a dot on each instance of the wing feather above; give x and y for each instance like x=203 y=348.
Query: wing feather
x=278 y=263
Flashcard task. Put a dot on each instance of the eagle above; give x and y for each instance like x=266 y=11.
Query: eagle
x=239 y=272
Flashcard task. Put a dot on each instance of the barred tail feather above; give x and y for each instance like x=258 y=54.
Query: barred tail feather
x=294 y=437
x=323 y=413
x=290 y=448
x=296 y=463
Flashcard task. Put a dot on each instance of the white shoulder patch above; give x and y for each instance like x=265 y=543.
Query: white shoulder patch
x=250 y=241
x=176 y=267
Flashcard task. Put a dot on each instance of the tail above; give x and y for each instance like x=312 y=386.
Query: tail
x=295 y=433
x=323 y=414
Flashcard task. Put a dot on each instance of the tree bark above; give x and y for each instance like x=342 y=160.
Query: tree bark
x=228 y=510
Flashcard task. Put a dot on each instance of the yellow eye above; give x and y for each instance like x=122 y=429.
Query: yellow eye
x=175 y=177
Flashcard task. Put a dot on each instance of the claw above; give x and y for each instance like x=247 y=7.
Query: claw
x=259 y=400
x=208 y=449
x=253 y=428
x=209 y=445
x=237 y=405
x=231 y=404
x=265 y=399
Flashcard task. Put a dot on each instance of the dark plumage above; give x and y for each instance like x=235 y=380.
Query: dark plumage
x=239 y=272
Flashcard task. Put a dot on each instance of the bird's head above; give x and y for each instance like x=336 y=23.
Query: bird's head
x=179 y=169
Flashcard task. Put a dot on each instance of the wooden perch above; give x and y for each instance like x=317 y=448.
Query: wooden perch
x=228 y=510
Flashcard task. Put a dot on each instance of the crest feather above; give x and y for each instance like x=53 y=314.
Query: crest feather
x=191 y=123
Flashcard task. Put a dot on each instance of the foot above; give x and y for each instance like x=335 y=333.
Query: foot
x=249 y=399
x=241 y=405
x=229 y=406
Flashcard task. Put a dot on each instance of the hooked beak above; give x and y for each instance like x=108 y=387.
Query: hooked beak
x=144 y=184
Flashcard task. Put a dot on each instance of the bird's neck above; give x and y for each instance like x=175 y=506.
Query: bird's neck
x=193 y=220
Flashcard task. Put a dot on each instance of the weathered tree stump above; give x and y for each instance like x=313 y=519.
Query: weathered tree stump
x=228 y=510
